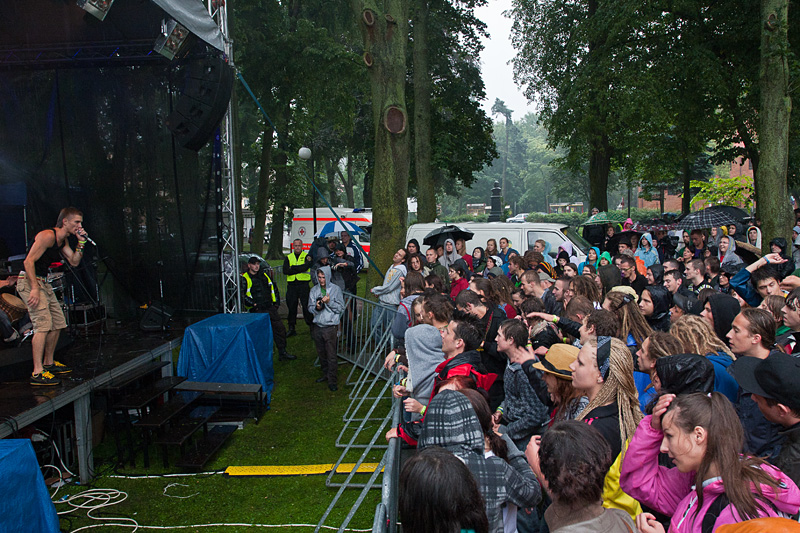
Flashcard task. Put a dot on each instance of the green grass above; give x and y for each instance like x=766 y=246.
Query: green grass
x=300 y=429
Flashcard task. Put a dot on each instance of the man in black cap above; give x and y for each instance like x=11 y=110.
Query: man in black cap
x=773 y=385
x=262 y=296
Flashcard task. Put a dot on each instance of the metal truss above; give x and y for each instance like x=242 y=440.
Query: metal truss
x=112 y=53
x=229 y=259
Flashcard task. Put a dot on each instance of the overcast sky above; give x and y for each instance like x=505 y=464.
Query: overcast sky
x=497 y=72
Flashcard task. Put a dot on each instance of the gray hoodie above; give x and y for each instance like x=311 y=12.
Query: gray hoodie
x=389 y=292
x=331 y=312
x=424 y=352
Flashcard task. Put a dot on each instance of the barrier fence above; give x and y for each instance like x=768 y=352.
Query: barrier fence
x=364 y=340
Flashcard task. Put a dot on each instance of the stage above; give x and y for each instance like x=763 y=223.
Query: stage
x=96 y=360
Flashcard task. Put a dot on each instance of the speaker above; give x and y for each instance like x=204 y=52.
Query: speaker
x=203 y=101
x=156 y=317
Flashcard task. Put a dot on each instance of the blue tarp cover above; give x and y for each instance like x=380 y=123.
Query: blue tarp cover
x=229 y=348
x=25 y=504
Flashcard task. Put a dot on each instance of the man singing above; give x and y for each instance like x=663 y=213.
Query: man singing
x=50 y=246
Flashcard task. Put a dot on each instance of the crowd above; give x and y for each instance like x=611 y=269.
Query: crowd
x=650 y=387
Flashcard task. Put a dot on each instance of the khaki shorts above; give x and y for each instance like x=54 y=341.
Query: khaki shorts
x=48 y=316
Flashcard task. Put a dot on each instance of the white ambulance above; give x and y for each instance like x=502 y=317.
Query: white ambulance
x=303 y=224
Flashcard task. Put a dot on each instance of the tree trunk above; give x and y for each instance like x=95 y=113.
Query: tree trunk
x=349 y=182
x=385 y=31
x=686 y=201
x=275 y=250
x=426 y=193
x=330 y=173
x=773 y=134
x=260 y=209
x=599 y=168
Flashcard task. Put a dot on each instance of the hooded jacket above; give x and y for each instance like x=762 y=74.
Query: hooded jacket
x=757 y=244
x=724 y=309
x=729 y=258
x=566 y=246
x=662 y=303
x=587 y=262
x=449 y=259
x=723 y=381
x=788 y=267
x=685 y=373
x=424 y=352
x=658 y=274
x=403 y=318
x=389 y=292
x=670 y=491
x=331 y=312
x=546 y=253
x=451 y=423
x=650 y=257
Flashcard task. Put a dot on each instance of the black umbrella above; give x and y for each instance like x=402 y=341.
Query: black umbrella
x=450 y=231
x=704 y=219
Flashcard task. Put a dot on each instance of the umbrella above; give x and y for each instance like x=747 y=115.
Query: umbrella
x=604 y=217
x=439 y=235
x=704 y=219
x=655 y=224
x=335 y=228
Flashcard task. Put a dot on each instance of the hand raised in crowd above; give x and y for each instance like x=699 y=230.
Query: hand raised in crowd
x=389 y=362
x=790 y=283
x=532 y=455
x=496 y=417
x=647 y=523
x=398 y=391
x=659 y=410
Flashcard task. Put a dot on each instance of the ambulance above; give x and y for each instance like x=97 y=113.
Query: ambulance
x=303 y=224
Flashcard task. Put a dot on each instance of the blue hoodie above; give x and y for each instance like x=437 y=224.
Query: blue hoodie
x=583 y=264
x=650 y=257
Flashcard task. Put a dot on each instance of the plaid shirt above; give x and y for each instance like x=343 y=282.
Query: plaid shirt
x=451 y=423
x=522 y=409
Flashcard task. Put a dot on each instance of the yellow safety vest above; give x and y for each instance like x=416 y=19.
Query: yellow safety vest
x=246 y=276
x=294 y=261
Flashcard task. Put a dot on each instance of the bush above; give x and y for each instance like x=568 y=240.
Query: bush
x=452 y=219
x=576 y=219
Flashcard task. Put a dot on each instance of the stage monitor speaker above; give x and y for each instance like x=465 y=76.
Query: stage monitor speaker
x=156 y=317
x=203 y=101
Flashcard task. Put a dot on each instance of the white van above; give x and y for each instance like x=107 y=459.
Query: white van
x=303 y=224
x=521 y=236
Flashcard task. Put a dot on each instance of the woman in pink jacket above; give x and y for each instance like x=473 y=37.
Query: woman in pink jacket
x=712 y=484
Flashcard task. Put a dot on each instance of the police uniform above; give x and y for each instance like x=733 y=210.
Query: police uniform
x=296 y=268
x=261 y=296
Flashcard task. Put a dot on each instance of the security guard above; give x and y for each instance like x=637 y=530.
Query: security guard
x=296 y=266
x=262 y=296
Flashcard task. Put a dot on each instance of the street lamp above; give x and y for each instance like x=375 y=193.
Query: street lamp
x=306 y=155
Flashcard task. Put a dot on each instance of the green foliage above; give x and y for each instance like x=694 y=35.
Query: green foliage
x=464 y=218
x=736 y=191
x=576 y=219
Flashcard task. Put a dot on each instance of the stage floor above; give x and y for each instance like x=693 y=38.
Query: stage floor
x=95 y=358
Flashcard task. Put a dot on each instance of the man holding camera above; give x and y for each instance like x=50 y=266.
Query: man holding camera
x=262 y=296
x=326 y=303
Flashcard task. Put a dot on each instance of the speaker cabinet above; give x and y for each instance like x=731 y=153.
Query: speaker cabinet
x=156 y=317
x=203 y=101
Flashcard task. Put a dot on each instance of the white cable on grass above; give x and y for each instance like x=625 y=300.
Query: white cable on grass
x=60 y=479
x=179 y=497
x=168 y=475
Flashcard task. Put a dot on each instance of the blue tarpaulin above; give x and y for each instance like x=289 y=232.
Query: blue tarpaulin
x=229 y=348
x=24 y=501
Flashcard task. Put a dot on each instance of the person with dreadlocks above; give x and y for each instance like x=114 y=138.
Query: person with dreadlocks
x=604 y=371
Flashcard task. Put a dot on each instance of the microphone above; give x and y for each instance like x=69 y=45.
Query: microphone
x=90 y=240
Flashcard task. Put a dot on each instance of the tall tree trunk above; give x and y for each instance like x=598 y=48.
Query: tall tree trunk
x=279 y=191
x=599 y=168
x=426 y=193
x=330 y=172
x=686 y=201
x=385 y=31
x=349 y=182
x=776 y=108
x=260 y=209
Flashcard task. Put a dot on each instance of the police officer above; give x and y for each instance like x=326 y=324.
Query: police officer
x=262 y=296
x=296 y=266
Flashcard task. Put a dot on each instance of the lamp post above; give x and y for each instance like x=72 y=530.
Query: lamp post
x=306 y=155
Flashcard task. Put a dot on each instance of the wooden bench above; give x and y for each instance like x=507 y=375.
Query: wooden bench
x=182 y=430
x=206 y=448
x=160 y=416
x=221 y=392
x=128 y=378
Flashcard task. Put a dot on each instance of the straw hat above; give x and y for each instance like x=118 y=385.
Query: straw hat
x=557 y=360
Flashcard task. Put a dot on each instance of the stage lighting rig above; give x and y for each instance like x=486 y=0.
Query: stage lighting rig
x=174 y=39
x=98 y=8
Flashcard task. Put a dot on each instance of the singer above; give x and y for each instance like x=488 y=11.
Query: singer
x=50 y=246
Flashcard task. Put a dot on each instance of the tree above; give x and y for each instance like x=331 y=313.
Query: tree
x=426 y=189
x=385 y=34
x=499 y=108
x=776 y=108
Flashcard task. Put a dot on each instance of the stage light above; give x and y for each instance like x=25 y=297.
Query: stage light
x=98 y=8
x=173 y=40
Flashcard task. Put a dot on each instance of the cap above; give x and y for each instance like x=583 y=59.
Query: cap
x=333 y=238
x=254 y=259
x=774 y=377
x=557 y=360
x=544 y=276
x=689 y=304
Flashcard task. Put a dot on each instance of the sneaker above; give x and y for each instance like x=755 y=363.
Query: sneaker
x=286 y=356
x=332 y=387
x=291 y=333
x=45 y=378
x=14 y=336
x=57 y=368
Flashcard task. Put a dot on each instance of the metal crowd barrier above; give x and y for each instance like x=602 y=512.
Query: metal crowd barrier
x=364 y=340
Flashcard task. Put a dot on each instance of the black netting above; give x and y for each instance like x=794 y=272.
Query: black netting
x=95 y=139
